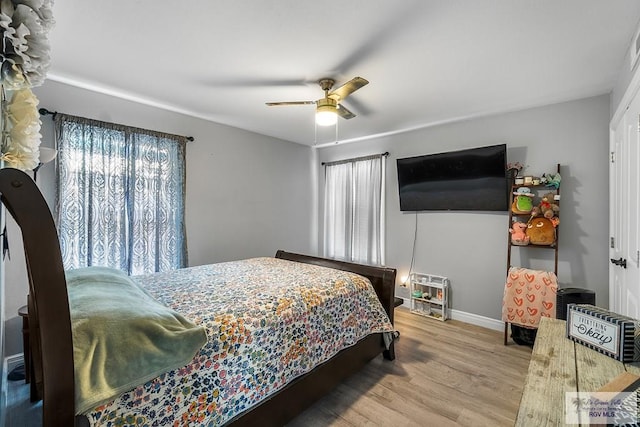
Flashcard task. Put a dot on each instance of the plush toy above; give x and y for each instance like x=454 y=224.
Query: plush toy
x=546 y=208
x=541 y=231
x=523 y=201
x=518 y=234
x=553 y=181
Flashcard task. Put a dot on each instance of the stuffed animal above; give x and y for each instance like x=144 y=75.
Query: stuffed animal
x=553 y=181
x=541 y=231
x=522 y=202
x=546 y=208
x=518 y=234
x=544 y=179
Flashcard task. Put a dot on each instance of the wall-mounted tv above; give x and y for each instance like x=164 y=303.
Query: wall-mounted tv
x=469 y=180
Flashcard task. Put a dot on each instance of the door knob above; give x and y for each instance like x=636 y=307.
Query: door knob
x=619 y=262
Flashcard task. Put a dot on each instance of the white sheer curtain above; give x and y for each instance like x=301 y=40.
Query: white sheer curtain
x=120 y=196
x=354 y=210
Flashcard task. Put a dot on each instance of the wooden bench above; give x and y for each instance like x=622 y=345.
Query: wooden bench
x=559 y=365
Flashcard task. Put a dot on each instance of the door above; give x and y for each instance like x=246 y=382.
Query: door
x=624 y=270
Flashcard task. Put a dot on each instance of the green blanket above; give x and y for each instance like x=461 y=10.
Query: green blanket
x=122 y=337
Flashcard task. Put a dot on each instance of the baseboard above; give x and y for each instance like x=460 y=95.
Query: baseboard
x=8 y=364
x=476 y=319
x=463 y=316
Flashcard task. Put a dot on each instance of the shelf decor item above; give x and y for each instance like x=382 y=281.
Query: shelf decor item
x=611 y=334
x=429 y=295
x=518 y=232
x=514 y=169
x=541 y=231
x=522 y=203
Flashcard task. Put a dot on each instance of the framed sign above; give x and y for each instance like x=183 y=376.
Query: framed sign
x=608 y=333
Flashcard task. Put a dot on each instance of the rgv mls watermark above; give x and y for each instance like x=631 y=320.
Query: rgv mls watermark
x=601 y=408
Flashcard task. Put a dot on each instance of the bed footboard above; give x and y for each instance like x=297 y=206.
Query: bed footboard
x=300 y=394
x=383 y=280
x=304 y=391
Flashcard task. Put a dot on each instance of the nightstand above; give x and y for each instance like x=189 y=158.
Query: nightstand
x=34 y=396
x=24 y=313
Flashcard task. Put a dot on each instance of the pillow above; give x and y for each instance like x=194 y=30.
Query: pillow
x=122 y=337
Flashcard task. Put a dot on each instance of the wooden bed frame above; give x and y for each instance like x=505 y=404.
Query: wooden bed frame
x=50 y=326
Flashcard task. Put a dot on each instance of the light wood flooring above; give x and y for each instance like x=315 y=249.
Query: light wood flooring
x=445 y=374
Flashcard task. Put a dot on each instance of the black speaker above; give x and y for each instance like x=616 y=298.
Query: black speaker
x=572 y=296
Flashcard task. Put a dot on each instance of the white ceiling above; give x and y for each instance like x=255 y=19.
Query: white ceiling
x=428 y=61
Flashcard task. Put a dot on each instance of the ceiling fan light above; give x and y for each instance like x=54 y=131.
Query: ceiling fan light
x=326 y=114
x=326 y=117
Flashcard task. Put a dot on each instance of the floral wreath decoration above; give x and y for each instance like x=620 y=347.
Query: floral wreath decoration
x=25 y=60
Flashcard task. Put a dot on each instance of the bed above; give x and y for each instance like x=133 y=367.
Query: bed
x=51 y=331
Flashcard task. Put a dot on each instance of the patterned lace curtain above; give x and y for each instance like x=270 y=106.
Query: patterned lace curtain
x=120 y=196
x=354 y=203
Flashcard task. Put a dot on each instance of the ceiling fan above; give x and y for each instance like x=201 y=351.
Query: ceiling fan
x=329 y=108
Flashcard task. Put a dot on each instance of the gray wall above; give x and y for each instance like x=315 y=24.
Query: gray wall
x=247 y=194
x=470 y=248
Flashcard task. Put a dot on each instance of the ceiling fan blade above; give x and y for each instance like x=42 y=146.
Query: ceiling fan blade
x=272 y=104
x=344 y=112
x=348 y=88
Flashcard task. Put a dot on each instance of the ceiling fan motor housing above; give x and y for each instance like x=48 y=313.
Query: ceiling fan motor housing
x=327 y=104
x=326 y=84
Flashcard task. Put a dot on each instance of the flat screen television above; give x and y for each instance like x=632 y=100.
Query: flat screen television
x=469 y=180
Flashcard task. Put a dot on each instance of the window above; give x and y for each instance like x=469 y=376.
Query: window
x=354 y=210
x=120 y=196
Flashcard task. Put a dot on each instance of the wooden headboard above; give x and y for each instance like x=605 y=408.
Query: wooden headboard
x=383 y=279
x=49 y=319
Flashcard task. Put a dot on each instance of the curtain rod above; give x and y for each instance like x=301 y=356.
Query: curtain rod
x=45 y=112
x=385 y=154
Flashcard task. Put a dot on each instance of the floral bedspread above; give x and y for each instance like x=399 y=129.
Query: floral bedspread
x=268 y=321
